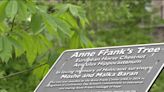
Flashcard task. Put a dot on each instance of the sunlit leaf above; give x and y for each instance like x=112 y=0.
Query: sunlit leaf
x=11 y=8
x=63 y=26
x=85 y=42
x=36 y=23
x=62 y=8
x=41 y=71
x=23 y=10
x=74 y=10
x=75 y=41
x=2 y=9
x=17 y=44
x=69 y=19
x=30 y=47
x=5 y=54
x=3 y=90
x=50 y=24
x=31 y=6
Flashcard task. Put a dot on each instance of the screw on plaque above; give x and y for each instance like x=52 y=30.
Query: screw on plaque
x=157 y=61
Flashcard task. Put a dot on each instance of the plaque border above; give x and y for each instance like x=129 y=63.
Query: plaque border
x=155 y=78
x=95 y=48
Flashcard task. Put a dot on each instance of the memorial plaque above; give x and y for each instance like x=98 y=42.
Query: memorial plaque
x=108 y=69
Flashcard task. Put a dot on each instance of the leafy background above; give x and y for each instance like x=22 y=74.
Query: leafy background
x=33 y=33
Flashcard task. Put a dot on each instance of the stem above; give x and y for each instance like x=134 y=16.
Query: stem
x=27 y=70
x=12 y=24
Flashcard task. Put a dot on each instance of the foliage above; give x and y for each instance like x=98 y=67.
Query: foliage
x=120 y=23
x=33 y=33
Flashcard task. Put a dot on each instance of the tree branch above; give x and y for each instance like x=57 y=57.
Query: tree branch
x=12 y=24
x=27 y=70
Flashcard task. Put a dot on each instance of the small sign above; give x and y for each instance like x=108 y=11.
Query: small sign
x=108 y=69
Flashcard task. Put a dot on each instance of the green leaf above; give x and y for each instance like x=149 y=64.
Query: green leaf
x=75 y=41
x=26 y=42
x=49 y=23
x=11 y=8
x=62 y=8
x=31 y=6
x=85 y=42
x=3 y=90
x=36 y=23
x=17 y=44
x=6 y=53
x=30 y=48
x=1 y=43
x=45 y=41
x=2 y=9
x=41 y=71
x=2 y=74
x=23 y=10
x=43 y=45
x=74 y=10
x=83 y=18
x=63 y=26
x=69 y=19
x=3 y=28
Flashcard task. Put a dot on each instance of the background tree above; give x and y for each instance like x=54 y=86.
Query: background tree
x=33 y=33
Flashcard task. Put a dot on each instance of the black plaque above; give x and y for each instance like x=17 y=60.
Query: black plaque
x=107 y=69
